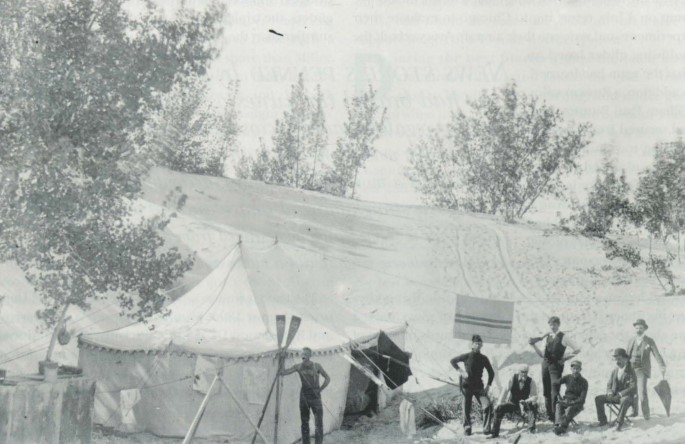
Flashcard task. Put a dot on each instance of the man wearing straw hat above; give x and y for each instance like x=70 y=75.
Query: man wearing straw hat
x=621 y=389
x=639 y=349
x=519 y=395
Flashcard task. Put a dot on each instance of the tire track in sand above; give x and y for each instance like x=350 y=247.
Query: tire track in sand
x=503 y=250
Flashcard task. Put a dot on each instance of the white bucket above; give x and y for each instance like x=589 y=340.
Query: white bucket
x=50 y=372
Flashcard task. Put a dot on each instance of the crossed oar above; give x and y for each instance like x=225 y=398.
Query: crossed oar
x=280 y=330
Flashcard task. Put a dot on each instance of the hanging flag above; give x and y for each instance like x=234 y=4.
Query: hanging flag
x=490 y=319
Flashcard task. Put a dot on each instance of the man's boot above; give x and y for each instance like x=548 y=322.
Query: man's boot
x=494 y=433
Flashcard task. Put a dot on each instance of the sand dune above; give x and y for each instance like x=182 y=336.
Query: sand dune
x=406 y=264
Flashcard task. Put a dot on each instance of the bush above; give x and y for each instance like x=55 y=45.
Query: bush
x=441 y=410
x=613 y=250
x=660 y=267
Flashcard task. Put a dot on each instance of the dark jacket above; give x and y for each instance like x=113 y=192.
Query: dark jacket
x=647 y=348
x=576 y=390
x=626 y=386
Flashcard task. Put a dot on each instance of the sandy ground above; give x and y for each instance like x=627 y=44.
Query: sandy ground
x=405 y=264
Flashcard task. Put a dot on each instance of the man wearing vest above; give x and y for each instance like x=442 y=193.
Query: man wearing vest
x=520 y=395
x=621 y=389
x=475 y=362
x=310 y=394
x=574 y=398
x=553 y=359
x=639 y=349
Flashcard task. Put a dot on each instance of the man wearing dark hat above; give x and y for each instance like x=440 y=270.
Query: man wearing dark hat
x=474 y=363
x=639 y=349
x=553 y=359
x=621 y=389
x=574 y=398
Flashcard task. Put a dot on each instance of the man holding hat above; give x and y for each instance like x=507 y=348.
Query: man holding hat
x=520 y=395
x=639 y=349
x=474 y=363
x=553 y=359
x=574 y=398
x=621 y=389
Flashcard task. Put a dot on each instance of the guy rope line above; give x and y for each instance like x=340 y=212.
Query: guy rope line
x=405 y=398
x=86 y=316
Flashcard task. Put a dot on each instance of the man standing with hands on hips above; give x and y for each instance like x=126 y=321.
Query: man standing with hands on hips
x=310 y=394
x=639 y=349
x=553 y=359
x=474 y=363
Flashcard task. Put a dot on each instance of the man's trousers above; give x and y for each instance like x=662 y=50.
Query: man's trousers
x=623 y=403
x=551 y=385
x=482 y=398
x=530 y=409
x=311 y=402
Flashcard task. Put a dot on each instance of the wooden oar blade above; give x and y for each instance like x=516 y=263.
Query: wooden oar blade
x=280 y=329
x=292 y=330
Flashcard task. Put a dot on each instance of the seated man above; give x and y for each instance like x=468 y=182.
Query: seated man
x=574 y=398
x=621 y=389
x=519 y=395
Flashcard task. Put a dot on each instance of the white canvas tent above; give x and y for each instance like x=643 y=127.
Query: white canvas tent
x=230 y=315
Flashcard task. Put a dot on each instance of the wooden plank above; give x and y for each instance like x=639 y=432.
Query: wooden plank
x=76 y=424
x=6 y=400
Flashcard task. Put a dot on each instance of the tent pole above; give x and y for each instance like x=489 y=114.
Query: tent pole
x=266 y=405
x=292 y=331
x=278 y=398
x=242 y=409
x=200 y=411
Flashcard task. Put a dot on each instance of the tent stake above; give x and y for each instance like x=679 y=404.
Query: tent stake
x=200 y=411
x=240 y=406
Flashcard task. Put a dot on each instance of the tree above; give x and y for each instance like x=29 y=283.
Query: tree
x=608 y=203
x=318 y=136
x=434 y=171
x=228 y=125
x=255 y=169
x=188 y=134
x=505 y=152
x=78 y=78
x=660 y=195
x=363 y=127
x=299 y=139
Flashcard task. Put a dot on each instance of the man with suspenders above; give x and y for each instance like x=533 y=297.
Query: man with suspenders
x=553 y=357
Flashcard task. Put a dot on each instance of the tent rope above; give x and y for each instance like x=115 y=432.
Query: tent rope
x=405 y=398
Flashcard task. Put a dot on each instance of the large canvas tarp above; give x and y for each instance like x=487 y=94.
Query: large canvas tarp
x=231 y=313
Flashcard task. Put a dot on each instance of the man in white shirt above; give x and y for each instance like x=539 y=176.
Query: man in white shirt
x=519 y=395
x=553 y=357
x=639 y=350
